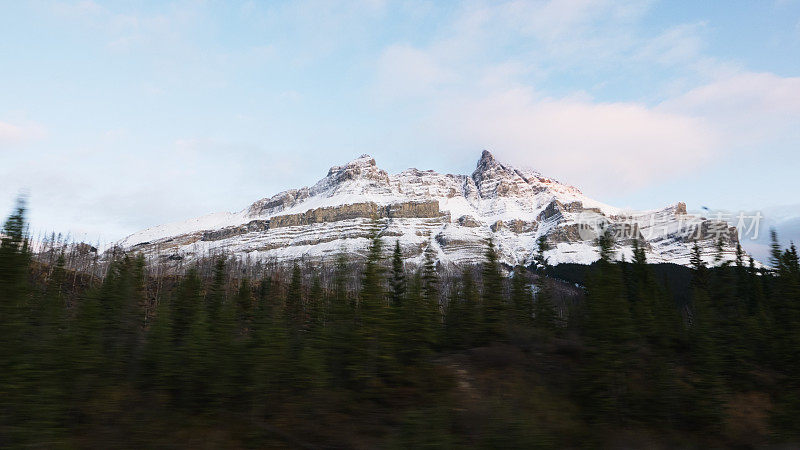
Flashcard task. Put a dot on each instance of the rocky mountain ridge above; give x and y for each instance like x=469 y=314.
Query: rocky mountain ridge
x=456 y=214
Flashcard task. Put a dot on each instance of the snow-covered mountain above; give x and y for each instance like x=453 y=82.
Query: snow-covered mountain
x=456 y=214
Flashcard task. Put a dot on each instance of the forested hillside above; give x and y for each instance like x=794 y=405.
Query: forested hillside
x=377 y=354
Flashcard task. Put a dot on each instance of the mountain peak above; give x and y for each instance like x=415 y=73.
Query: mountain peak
x=486 y=164
x=486 y=158
x=361 y=168
x=362 y=162
x=515 y=205
x=365 y=157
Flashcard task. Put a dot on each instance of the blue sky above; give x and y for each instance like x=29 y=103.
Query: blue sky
x=116 y=116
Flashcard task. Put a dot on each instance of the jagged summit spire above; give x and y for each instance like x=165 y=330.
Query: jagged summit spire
x=486 y=156
x=363 y=161
x=361 y=168
x=487 y=161
x=486 y=164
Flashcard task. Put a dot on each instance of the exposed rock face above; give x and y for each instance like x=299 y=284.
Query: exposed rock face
x=370 y=210
x=468 y=221
x=227 y=232
x=278 y=202
x=456 y=214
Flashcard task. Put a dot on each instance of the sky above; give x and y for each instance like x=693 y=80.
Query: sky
x=117 y=116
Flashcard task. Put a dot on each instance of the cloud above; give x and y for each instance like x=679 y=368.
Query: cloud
x=676 y=45
x=744 y=105
x=405 y=71
x=759 y=93
x=477 y=84
x=125 y=27
x=474 y=98
x=605 y=147
x=11 y=134
x=563 y=32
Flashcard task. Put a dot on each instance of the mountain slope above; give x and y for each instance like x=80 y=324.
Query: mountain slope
x=454 y=213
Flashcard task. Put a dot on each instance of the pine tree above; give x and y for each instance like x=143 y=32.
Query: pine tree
x=521 y=298
x=430 y=277
x=341 y=277
x=269 y=352
x=729 y=315
x=316 y=304
x=719 y=254
x=294 y=300
x=340 y=334
x=706 y=359
x=494 y=307
x=739 y=255
x=605 y=245
x=374 y=359
x=784 y=344
x=244 y=306
x=267 y=294
x=462 y=320
x=545 y=317
x=417 y=324
x=642 y=292
x=791 y=260
x=696 y=261
x=240 y=350
x=372 y=293
x=453 y=315
x=213 y=342
x=184 y=306
x=156 y=368
x=703 y=338
x=182 y=322
x=14 y=290
x=608 y=312
x=14 y=263
x=776 y=261
x=398 y=280
x=421 y=313
x=610 y=331
x=216 y=293
x=542 y=247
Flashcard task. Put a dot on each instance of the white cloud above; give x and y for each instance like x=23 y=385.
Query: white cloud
x=608 y=147
x=742 y=93
x=745 y=106
x=126 y=28
x=11 y=134
x=564 y=32
x=477 y=99
x=605 y=147
x=473 y=97
x=405 y=71
x=676 y=45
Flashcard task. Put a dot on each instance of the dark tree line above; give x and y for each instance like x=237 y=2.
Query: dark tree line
x=406 y=359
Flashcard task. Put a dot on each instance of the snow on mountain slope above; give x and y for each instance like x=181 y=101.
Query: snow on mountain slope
x=456 y=214
x=757 y=224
